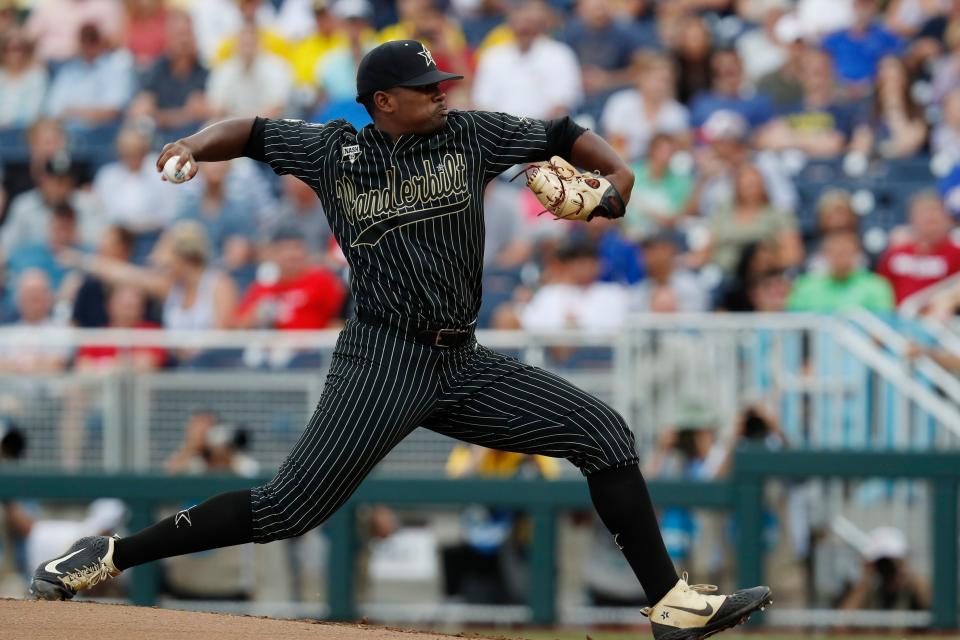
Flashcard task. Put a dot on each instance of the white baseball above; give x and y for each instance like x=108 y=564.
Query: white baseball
x=170 y=170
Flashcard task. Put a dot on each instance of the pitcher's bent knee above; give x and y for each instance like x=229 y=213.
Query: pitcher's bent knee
x=284 y=508
x=606 y=439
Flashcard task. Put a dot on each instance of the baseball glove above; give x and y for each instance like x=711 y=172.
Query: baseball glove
x=571 y=195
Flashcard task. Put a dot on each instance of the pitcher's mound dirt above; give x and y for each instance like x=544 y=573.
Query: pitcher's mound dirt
x=40 y=620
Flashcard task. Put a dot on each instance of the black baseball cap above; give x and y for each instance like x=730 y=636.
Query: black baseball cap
x=398 y=63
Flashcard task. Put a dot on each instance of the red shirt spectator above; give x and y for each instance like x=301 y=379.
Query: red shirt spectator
x=930 y=255
x=298 y=296
x=311 y=300
x=125 y=309
x=102 y=355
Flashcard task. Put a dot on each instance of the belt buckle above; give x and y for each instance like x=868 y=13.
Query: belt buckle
x=439 y=337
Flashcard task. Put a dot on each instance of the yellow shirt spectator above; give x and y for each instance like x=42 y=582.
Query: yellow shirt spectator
x=474 y=460
x=270 y=41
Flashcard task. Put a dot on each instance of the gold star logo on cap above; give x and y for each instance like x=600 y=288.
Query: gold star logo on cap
x=427 y=56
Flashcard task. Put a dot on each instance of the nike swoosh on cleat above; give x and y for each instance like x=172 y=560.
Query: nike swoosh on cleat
x=52 y=565
x=706 y=611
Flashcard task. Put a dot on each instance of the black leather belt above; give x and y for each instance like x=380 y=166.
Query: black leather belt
x=422 y=333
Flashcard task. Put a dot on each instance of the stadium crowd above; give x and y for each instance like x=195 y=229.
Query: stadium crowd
x=789 y=155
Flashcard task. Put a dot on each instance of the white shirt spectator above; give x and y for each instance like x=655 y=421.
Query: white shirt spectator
x=246 y=92
x=760 y=54
x=106 y=83
x=213 y=22
x=138 y=200
x=624 y=116
x=820 y=17
x=55 y=24
x=600 y=307
x=21 y=97
x=28 y=220
x=687 y=290
x=538 y=83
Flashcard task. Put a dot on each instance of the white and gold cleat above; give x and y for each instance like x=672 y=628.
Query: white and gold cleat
x=88 y=562
x=688 y=613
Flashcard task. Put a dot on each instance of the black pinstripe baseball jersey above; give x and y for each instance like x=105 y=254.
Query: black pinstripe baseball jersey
x=408 y=213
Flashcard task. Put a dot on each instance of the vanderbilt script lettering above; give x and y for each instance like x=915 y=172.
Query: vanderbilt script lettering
x=422 y=196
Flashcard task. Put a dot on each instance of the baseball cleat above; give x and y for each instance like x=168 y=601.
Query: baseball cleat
x=687 y=613
x=88 y=562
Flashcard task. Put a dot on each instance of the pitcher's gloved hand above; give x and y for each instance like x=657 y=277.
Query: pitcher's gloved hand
x=569 y=194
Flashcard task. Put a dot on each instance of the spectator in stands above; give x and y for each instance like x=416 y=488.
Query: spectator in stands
x=820 y=124
x=132 y=196
x=845 y=285
x=783 y=85
x=857 y=51
x=510 y=75
x=660 y=192
x=45 y=139
x=691 y=52
x=224 y=216
x=945 y=139
x=297 y=296
x=145 y=32
x=195 y=296
x=61 y=236
x=907 y=17
x=666 y=288
x=252 y=18
x=604 y=48
x=729 y=93
x=490 y=564
x=572 y=296
x=34 y=308
x=620 y=259
x=55 y=25
x=725 y=135
x=752 y=218
x=211 y=446
x=126 y=309
x=252 y=82
x=930 y=254
x=896 y=127
x=173 y=92
x=92 y=89
x=299 y=208
x=834 y=214
x=762 y=50
x=23 y=81
x=325 y=38
x=29 y=217
x=887 y=580
x=335 y=73
x=757 y=284
x=189 y=455
x=633 y=116
x=945 y=74
x=90 y=301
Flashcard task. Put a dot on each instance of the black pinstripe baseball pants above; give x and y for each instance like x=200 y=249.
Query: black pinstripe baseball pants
x=380 y=387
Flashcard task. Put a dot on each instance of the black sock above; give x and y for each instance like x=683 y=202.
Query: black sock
x=221 y=521
x=621 y=498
